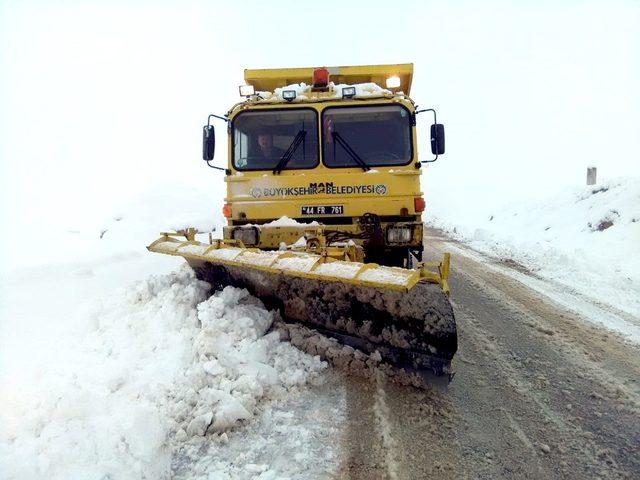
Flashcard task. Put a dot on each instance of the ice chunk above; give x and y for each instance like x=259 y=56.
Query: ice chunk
x=265 y=374
x=199 y=425
x=213 y=367
x=228 y=412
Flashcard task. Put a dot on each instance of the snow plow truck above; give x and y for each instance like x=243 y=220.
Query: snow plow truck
x=324 y=211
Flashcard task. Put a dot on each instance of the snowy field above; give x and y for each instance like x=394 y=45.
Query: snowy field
x=118 y=365
x=114 y=361
x=586 y=238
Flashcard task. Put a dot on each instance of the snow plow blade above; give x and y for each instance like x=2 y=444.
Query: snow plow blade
x=403 y=314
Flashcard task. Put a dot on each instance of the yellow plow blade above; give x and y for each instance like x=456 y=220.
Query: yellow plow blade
x=305 y=265
x=403 y=314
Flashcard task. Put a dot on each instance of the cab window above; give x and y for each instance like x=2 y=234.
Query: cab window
x=261 y=139
x=378 y=135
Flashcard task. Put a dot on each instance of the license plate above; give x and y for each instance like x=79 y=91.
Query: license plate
x=323 y=210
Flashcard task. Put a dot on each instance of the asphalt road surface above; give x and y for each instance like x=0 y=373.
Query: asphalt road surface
x=539 y=392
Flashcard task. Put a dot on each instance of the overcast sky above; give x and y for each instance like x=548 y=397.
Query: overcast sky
x=101 y=99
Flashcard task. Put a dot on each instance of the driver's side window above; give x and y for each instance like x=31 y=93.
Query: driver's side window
x=242 y=147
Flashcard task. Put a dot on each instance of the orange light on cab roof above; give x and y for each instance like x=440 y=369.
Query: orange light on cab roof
x=320 y=77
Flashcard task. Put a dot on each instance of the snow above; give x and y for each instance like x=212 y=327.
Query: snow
x=382 y=413
x=194 y=249
x=225 y=253
x=387 y=275
x=339 y=269
x=88 y=412
x=125 y=230
x=299 y=88
x=62 y=263
x=260 y=258
x=300 y=243
x=585 y=238
x=285 y=221
x=169 y=246
x=297 y=263
x=161 y=364
x=363 y=90
x=124 y=369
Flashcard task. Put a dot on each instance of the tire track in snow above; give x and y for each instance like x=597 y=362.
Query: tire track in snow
x=382 y=415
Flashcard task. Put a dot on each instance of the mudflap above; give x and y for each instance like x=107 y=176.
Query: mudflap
x=413 y=330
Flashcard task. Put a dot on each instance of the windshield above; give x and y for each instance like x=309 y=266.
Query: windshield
x=261 y=138
x=378 y=135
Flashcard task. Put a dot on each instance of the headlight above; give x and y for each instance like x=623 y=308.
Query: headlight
x=247 y=90
x=393 y=82
x=398 y=234
x=247 y=235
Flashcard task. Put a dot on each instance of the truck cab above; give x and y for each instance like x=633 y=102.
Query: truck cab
x=331 y=149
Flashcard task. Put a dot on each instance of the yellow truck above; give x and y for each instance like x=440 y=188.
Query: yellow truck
x=324 y=210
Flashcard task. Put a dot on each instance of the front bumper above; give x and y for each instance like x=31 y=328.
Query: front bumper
x=270 y=237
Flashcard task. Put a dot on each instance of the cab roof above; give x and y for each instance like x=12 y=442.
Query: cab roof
x=268 y=79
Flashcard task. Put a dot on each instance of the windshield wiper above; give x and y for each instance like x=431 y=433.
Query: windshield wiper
x=343 y=143
x=290 y=151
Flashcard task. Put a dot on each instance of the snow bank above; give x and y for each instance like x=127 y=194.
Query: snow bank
x=130 y=227
x=586 y=238
x=162 y=365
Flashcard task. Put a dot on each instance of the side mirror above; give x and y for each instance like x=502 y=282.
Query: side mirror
x=437 y=139
x=208 y=142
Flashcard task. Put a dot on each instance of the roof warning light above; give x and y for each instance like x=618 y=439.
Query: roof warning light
x=320 y=78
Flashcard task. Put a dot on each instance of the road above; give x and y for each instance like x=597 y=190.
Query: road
x=539 y=393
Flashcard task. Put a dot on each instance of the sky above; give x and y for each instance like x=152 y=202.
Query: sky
x=100 y=100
